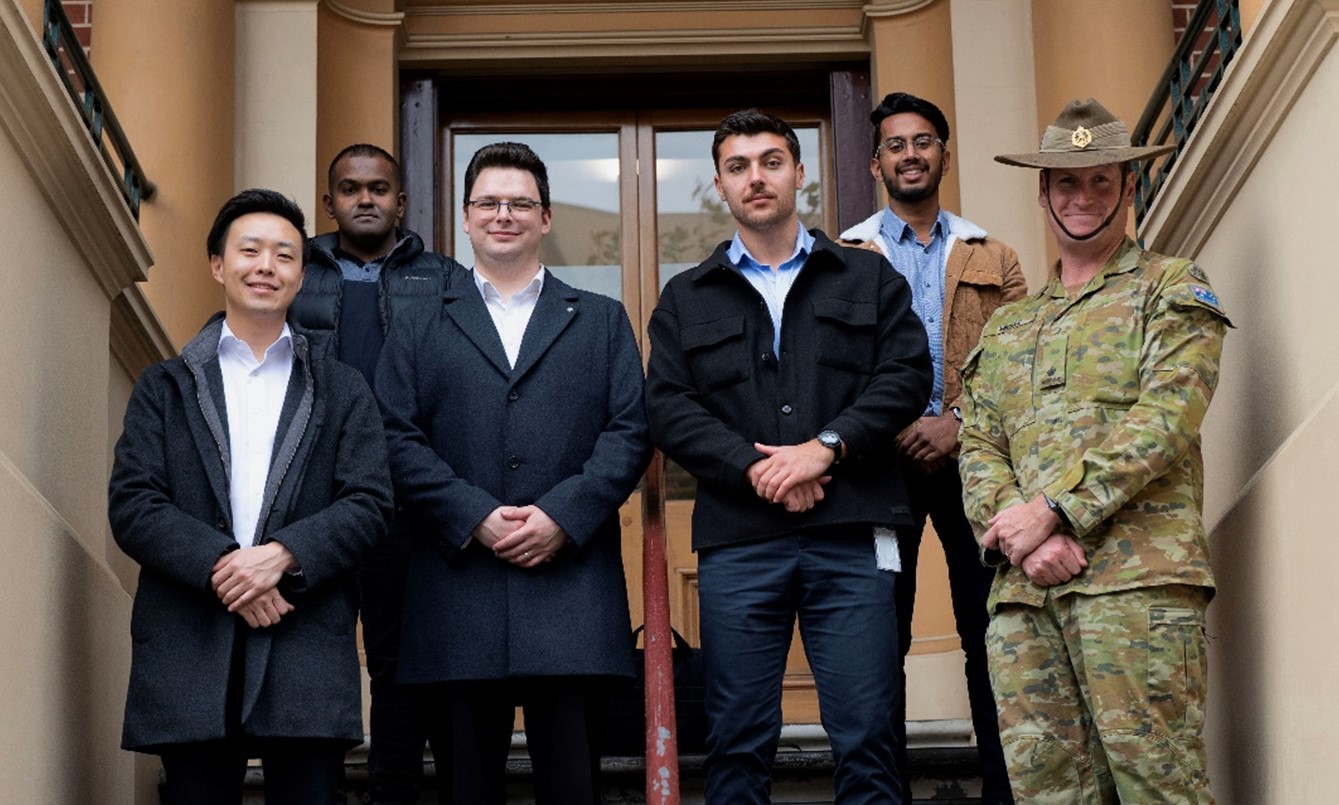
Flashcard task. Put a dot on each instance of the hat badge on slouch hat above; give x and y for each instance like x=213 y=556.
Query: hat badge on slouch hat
x=1084 y=135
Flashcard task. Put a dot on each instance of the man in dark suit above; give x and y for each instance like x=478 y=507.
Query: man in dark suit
x=249 y=480
x=782 y=369
x=516 y=425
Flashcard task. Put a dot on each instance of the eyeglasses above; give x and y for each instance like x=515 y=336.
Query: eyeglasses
x=517 y=206
x=896 y=145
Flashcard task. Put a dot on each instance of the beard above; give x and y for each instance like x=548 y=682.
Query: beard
x=911 y=194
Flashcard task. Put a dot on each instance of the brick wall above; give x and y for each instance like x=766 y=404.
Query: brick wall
x=1181 y=13
x=80 y=13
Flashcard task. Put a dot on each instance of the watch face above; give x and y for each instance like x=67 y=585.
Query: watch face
x=830 y=439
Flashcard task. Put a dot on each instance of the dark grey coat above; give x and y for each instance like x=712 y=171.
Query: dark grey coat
x=565 y=430
x=327 y=500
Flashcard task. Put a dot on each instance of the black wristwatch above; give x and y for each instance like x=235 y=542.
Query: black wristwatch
x=833 y=440
x=1057 y=511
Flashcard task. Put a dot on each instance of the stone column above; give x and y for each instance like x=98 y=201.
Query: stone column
x=275 y=128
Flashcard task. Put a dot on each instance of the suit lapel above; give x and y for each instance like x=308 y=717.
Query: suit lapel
x=466 y=308
x=555 y=309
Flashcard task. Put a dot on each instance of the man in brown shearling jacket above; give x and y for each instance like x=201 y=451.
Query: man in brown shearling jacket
x=958 y=276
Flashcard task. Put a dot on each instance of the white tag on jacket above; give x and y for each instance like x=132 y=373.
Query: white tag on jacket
x=886 y=556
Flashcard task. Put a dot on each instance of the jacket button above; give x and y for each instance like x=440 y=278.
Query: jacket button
x=786 y=409
x=767 y=357
x=513 y=395
x=222 y=526
x=514 y=461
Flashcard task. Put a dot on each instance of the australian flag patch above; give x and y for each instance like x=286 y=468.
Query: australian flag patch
x=1206 y=296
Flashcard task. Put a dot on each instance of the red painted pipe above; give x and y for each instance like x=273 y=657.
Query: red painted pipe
x=662 y=747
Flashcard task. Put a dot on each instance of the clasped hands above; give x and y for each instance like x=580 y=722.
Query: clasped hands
x=791 y=475
x=929 y=441
x=522 y=535
x=246 y=581
x=1025 y=533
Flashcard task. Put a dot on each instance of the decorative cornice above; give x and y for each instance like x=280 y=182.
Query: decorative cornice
x=40 y=118
x=894 y=8
x=668 y=7
x=1272 y=68
x=844 y=40
x=349 y=12
x=138 y=339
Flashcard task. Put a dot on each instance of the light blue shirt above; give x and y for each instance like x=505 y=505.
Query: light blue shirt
x=923 y=266
x=772 y=286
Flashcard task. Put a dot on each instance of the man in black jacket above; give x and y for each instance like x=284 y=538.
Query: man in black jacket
x=249 y=480
x=359 y=279
x=782 y=369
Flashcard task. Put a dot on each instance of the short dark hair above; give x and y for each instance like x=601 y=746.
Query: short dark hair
x=255 y=200
x=508 y=155
x=364 y=150
x=750 y=122
x=896 y=103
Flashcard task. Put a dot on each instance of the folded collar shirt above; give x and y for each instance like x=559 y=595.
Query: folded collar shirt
x=510 y=316
x=253 y=394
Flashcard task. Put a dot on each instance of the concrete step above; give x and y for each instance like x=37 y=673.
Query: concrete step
x=944 y=771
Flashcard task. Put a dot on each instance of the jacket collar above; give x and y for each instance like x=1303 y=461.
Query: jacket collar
x=407 y=246
x=958 y=229
x=824 y=253
x=555 y=309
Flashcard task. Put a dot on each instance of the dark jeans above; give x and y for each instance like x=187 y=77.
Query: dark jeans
x=470 y=726
x=395 y=754
x=940 y=497
x=298 y=771
x=751 y=595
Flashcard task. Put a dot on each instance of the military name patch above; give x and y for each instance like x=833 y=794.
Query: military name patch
x=1206 y=296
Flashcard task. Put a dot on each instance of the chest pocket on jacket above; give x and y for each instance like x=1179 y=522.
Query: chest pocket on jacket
x=846 y=334
x=716 y=352
x=977 y=295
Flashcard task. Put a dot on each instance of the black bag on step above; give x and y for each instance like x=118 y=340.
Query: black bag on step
x=625 y=723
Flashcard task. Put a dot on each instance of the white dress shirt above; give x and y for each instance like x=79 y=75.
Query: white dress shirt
x=253 y=394
x=510 y=316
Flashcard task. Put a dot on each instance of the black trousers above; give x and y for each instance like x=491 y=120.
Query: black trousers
x=298 y=771
x=398 y=735
x=939 y=496
x=470 y=727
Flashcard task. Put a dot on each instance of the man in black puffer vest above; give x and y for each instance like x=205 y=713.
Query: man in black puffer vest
x=360 y=279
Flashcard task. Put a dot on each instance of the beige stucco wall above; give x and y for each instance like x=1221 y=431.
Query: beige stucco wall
x=1272 y=442
x=1251 y=191
x=168 y=71
x=64 y=613
x=358 y=93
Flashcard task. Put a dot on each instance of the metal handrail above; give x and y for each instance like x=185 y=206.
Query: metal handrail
x=662 y=748
x=67 y=56
x=1183 y=93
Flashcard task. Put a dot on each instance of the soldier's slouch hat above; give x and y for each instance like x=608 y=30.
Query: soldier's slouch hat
x=1083 y=136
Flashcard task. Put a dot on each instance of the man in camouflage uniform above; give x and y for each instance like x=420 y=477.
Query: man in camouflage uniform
x=1083 y=477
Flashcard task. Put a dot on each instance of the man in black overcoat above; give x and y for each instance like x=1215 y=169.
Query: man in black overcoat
x=249 y=480
x=782 y=369
x=516 y=425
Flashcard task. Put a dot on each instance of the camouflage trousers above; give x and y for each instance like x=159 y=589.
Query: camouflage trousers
x=1101 y=697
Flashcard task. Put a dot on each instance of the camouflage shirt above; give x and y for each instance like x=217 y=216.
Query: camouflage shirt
x=1097 y=400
